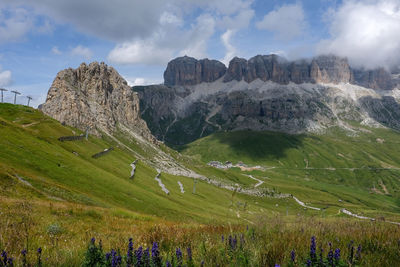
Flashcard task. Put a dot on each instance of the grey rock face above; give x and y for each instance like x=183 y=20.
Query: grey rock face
x=266 y=93
x=375 y=79
x=265 y=68
x=322 y=69
x=94 y=96
x=330 y=69
x=182 y=115
x=189 y=71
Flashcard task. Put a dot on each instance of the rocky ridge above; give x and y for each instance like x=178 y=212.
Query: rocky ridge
x=268 y=93
x=184 y=71
x=94 y=97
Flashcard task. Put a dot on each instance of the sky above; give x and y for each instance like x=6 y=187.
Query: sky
x=38 y=38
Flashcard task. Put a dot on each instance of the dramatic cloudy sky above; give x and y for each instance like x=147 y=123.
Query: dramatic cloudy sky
x=40 y=37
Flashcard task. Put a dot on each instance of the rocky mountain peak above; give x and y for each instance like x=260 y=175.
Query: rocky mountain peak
x=189 y=71
x=94 y=97
x=322 y=69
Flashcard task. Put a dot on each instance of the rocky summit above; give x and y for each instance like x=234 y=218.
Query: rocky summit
x=267 y=92
x=97 y=98
x=189 y=71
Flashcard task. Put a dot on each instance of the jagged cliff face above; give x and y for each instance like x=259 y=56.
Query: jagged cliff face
x=322 y=69
x=267 y=93
x=190 y=71
x=94 y=97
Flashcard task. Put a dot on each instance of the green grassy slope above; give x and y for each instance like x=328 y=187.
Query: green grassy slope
x=65 y=171
x=361 y=172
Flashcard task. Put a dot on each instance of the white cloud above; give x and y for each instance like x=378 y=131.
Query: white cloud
x=141 y=81
x=367 y=32
x=14 y=24
x=287 y=22
x=239 y=16
x=140 y=51
x=169 y=41
x=5 y=77
x=116 y=21
x=82 y=51
x=229 y=48
x=196 y=39
x=56 y=51
x=149 y=31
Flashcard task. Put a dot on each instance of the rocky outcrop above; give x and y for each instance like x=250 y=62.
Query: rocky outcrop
x=189 y=71
x=186 y=71
x=323 y=69
x=375 y=79
x=330 y=69
x=94 y=97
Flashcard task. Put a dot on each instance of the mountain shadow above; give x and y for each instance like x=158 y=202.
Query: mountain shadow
x=247 y=145
x=385 y=110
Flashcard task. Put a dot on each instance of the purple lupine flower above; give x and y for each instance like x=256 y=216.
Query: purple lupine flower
x=321 y=259
x=146 y=260
x=330 y=254
x=277 y=265
x=93 y=240
x=308 y=263
x=222 y=239
x=4 y=256
x=235 y=242
x=23 y=253
x=129 y=254
x=108 y=254
x=179 y=257
x=155 y=255
x=293 y=255
x=337 y=254
x=313 y=248
x=230 y=241
x=189 y=253
x=138 y=256
x=202 y=263
x=10 y=262
x=168 y=264
x=39 y=256
x=358 y=253
x=351 y=248
x=114 y=258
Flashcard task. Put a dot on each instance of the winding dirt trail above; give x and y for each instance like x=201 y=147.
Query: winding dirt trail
x=260 y=182
x=301 y=203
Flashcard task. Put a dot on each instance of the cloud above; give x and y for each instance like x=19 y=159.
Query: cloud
x=168 y=41
x=140 y=51
x=103 y=18
x=149 y=31
x=56 y=51
x=82 y=51
x=196 y=39
x=367 y=32
x=141 y=81
x=229 y=48
x=14 y=24
x=5 y=77
x=287 y=22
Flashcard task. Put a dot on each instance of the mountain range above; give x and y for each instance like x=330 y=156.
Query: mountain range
x=200 y=97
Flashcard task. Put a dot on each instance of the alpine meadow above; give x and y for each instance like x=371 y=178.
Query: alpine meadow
x=124 y=143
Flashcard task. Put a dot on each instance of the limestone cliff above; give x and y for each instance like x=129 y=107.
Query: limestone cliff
x=95 y=97
x=189 y=71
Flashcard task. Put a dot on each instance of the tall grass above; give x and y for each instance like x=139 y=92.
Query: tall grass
x=270 y=241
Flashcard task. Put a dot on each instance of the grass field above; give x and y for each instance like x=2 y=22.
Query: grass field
x=54 y=195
